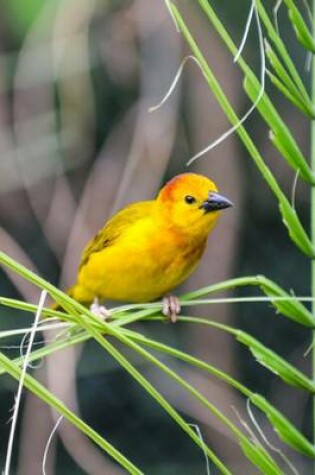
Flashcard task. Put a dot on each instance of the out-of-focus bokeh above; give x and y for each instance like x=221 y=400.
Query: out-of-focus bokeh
x=77 y=142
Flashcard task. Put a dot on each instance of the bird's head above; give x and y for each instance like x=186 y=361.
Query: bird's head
x=192 y=203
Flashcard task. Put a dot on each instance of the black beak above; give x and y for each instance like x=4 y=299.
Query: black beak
x=215 y=202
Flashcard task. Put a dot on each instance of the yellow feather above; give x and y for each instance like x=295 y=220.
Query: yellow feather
x=148 y=248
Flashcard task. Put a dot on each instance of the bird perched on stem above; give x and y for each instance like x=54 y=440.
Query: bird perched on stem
x=148 y=248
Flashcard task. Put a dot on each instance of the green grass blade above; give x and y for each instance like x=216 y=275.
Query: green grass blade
x=305 y=108
x=286 y=85
x=286 y=431
x=256 y=453
x=291 y=220
x=273 y=35
x=303 y=34
x=283 y=139
x=50 y=348
x=280 y=46
x=149 y=388
x=193 y=361
x=275 y=363
x=264 y=355
x=222 y=32
x=296 y=231
x=36 y=388
x=292 y=309
x=261 y=461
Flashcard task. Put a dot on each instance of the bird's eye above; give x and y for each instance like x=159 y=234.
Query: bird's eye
x=190 y=199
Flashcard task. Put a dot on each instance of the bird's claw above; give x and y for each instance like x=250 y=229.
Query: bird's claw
x=171 y=307
x=100 y=310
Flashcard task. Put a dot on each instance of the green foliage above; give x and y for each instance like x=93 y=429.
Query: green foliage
x=80 y=325
x=279 y=133
x=286 y=78
x=287 y=432
x=23 y=14
x=38 y=389
x=285 y=83
x=291 y=308
x=275 y=363
x=302 y=32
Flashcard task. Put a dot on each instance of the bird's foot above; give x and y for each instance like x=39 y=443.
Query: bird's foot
x=100 y=310
x=171 y=307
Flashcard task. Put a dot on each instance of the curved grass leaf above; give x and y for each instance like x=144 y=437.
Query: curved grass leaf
x=273 y=35
x=286 y=431
x=261 y=459
x=38 y=389
x=296 y=231
x=279 y=44
x=255 y=452
x=302 y=32
x=286 y=85
x=251 y=451
x=275 y=363
x=305 y=108
x=149 y=388
x=291 y=220
x=86 y=320
x=282 y=138
x=292 y=308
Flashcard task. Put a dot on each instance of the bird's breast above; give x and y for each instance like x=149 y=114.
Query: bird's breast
x=142 y=266
x=177 y=256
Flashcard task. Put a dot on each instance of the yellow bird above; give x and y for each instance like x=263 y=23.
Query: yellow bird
x=148 y=248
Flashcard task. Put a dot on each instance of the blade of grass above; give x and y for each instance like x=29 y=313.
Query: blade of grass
x=285 y=143
x=312 y=217
x=263 y=354
x=220 y=29
x=287 y=432
x=256 y=453
x=17 y=399
x=287 y=86
x=279 y=44
x=77 y=310
x=151 y=390
x=302 y=32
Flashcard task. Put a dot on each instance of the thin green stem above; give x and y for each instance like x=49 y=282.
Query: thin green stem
x=313 y=218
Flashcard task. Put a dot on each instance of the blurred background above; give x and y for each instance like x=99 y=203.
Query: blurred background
x=76 y=143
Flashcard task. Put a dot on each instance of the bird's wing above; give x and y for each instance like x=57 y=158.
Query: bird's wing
x=114 y=228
